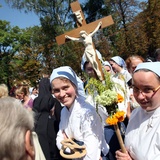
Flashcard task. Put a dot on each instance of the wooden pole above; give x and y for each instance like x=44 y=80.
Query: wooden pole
x=118 y=133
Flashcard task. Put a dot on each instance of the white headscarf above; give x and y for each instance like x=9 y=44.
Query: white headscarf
x=106 y=63
x=67 y=72
x=152 y=66
x=120 y=61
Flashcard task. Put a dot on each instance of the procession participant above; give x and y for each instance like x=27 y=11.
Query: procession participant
x=47 y=111
x=18 y=141
x=110 y=134
x=132 y=62
x=108 y=67
x=22 y=93
x=109 y=131
x=33 y=92
x=79 y=119
x=142 y=138
x=119 y=67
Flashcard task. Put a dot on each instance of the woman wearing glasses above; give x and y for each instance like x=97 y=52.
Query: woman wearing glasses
x=142 y=139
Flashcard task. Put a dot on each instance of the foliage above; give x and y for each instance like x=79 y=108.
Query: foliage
x=9 y=45
x=33 y=51
x=92 y=8
x=105 y=93
x=96 y=85
x=53 y=14
x=151 y=24
x=55 y=17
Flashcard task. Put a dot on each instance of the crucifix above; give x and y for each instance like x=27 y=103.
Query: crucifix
x=84 y=34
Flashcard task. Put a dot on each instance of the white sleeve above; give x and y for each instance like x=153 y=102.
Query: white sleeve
x=92 y=134
x=59 y=139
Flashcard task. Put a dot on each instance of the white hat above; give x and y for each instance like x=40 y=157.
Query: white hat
x=152 y=66
x=106 y=63
x=67 y=72
x=120 y=61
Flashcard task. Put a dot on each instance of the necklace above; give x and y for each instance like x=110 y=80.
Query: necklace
x=149 y=125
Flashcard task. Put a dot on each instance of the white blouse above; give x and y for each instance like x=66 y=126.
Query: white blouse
x=82 y=123
x=142 y=137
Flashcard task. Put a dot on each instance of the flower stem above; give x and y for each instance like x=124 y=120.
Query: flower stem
x=120 y=138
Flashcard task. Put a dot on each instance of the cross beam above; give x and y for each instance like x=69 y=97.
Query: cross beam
x=107 y=21
x=88 y=28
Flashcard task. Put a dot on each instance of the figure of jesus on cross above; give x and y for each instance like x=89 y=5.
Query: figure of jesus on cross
x=84 y=34
x=89 y=52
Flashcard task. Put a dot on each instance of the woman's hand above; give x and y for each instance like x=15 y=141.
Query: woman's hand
x=64 y=135
x=122 y=156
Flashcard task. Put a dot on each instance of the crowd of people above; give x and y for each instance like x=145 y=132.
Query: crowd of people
x=46 y=122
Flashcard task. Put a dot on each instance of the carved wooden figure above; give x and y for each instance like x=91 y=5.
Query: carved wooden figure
x=84 y=34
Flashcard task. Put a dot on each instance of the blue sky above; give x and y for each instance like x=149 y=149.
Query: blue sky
x=17 y=18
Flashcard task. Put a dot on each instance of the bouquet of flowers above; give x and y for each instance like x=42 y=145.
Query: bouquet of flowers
x=106 y=94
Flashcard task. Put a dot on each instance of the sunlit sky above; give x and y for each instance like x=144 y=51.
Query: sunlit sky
x=17 y=18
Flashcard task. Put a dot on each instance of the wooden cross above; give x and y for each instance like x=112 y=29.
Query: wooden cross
x=88 y=28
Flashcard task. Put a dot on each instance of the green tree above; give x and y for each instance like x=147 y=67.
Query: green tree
x=132 y=33
x=9 y=46
x=56 y=18
x=19 y=55
x=123 y=12
x=151 y=21
x=118 y=38
x=143 y=32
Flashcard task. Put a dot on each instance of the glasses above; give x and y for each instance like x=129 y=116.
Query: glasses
x=145 y=91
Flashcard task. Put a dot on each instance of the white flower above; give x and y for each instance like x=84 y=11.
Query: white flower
x=107 y=98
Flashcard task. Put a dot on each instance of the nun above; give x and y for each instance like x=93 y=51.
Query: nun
x=119 y=67
x=142 y=139
x=79 y=119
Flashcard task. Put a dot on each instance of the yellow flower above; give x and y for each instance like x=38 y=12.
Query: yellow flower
x=111 y=120
x=117 y=117
x=120 y=98
x=120 y=116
